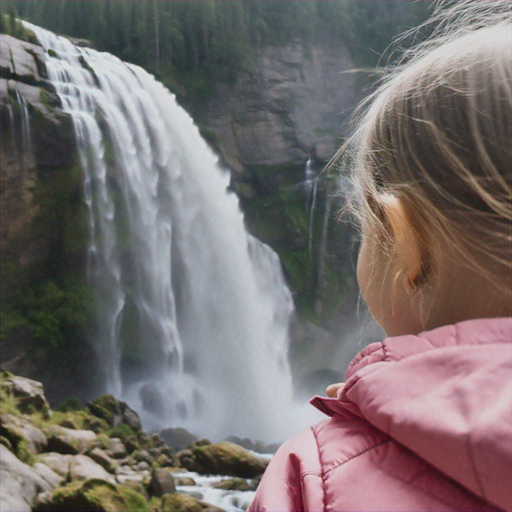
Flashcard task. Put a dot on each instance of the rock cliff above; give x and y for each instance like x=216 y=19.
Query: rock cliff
x=296 y=101
x=42 y=228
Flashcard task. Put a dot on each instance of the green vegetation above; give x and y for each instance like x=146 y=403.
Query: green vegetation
x=190 y=45
x=97 y=495
x=11 y=26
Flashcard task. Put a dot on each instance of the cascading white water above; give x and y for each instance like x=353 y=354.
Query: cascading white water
x=310 y=182
x=193 y=312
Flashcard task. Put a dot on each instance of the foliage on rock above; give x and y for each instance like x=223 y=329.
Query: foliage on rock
x=94 y=495
x=223 y=458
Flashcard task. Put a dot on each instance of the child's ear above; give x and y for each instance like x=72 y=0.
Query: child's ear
x=413 y=263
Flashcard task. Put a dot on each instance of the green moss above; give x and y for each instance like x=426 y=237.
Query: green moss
x=122 y=431
x=8 y=403
x=70 y=404
x=97 y=495
x=11 y=26
x=24 y=454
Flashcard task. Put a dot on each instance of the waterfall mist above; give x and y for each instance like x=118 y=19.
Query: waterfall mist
x=193 y=312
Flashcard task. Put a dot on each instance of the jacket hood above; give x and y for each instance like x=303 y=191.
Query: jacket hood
x=446 y=396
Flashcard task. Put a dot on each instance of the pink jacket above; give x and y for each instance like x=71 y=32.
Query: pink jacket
x=423 y=424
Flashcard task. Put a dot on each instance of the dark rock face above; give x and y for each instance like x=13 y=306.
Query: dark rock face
x=297 y=99
x=41 y=198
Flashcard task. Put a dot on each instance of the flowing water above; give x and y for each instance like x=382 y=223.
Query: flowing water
x=193 y=312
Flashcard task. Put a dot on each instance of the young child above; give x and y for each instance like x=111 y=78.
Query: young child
x=423 y=421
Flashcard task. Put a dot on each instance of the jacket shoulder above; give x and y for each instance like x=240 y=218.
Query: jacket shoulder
x=293 y=480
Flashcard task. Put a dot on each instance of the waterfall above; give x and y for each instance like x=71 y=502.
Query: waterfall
x=193 y=312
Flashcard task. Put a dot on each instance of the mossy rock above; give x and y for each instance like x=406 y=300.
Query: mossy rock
x=222 y=459
x=185 y=503
x=105 y=407
x=96 y=424
x=94 y=495
x=235 y=484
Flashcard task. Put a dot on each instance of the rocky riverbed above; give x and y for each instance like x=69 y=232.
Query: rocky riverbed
x=98 y=457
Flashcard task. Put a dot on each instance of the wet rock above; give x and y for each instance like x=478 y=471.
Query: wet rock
x=130 y=417
x=185 y=503
x=162 y=482
x=21 y=60
x=184 y=481
x=114 y=412
x=19 y=483
x=177 y=438
x=82 y=467
x=236 y=484
x=106 y=407
x=222 y=459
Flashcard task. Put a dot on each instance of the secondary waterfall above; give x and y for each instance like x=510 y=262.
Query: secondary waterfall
x=193 y=312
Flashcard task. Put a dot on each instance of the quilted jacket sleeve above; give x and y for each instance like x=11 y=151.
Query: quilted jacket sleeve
x=292 y=481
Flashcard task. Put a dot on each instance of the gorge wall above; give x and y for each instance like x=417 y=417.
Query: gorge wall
x=296 y=101
x=43 y=231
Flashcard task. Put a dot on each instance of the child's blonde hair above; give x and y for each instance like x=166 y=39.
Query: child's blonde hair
x=436 y=138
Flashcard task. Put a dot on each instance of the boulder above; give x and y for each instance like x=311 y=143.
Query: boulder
x=114 y=412
x=106 y=408
x=19 y=483
x=236 y=484
x=96 y=424
x=82 y=467
x=185 y=503
x=130 y=417
x=93 y=495
x=141 y=466
x=53 y=478
x=185 y=481
x=177 y=438
x=70 y=441
x=30 y=394
x=162 y=482
x=100 y=457
x=116 y=448
x=126 y=474
x=22 y=60
x=57 y=462
x=17 y=430
x=143 y=455
x=222 y=459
